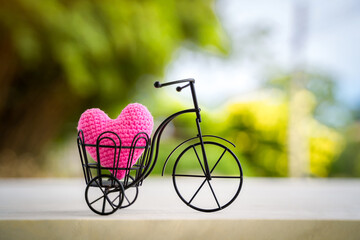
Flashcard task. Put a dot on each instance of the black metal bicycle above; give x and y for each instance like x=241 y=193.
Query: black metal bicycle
x=212 y=185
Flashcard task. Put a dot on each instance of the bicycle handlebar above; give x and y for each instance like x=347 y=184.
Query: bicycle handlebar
x=190 y=82
x=157 y=84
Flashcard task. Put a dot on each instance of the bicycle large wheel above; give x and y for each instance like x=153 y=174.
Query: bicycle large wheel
x=104 y=194
x=191 y=184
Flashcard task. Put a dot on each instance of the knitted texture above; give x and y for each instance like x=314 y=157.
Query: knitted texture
x=133 y=119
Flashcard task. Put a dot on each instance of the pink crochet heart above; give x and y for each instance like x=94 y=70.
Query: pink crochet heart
x=133 y=119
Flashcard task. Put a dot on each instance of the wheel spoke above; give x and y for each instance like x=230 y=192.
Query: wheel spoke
x=187 y=175
x=227 y=177
x=130 y=198
x=197 y=191
x=115 y=199
x=96 y=200
x=103 y=207
x=212 y=190
x=109 y=201
x=126 y=199
x=217 y=162
x=100 y=187
x=197 y=156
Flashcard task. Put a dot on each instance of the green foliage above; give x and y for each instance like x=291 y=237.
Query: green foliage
x=348 y=163
x=101 y=46
x=61 y=57
x=259 y=130
x=327 y=109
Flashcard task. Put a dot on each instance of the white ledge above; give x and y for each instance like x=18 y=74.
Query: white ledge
x=266 y=208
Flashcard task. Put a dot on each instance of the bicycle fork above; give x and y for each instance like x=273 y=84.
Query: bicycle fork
x=198 y=120
x=206 y=165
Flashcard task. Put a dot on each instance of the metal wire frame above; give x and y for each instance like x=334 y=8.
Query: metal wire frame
x=148 y=159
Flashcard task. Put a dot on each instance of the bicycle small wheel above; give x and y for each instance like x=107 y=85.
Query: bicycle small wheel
x=191 y=184
x=131 y=194
x=104 y=194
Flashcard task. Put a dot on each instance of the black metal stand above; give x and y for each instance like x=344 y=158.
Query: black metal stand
x=216 y=165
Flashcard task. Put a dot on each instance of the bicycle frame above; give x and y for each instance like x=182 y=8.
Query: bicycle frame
x=101 y=202
x=157 y=136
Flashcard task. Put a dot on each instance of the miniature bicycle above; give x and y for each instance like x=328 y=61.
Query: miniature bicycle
x=207 y=175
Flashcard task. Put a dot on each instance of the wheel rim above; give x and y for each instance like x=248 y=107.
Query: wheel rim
x=195 y=190
x=104 y=194
x=131 y=194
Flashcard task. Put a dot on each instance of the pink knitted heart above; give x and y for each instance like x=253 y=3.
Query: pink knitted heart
x=133 y=119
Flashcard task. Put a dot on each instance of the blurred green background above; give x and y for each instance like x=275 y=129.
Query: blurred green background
x=59 y=58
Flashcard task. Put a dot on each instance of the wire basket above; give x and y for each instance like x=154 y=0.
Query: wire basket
x=131 y=170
